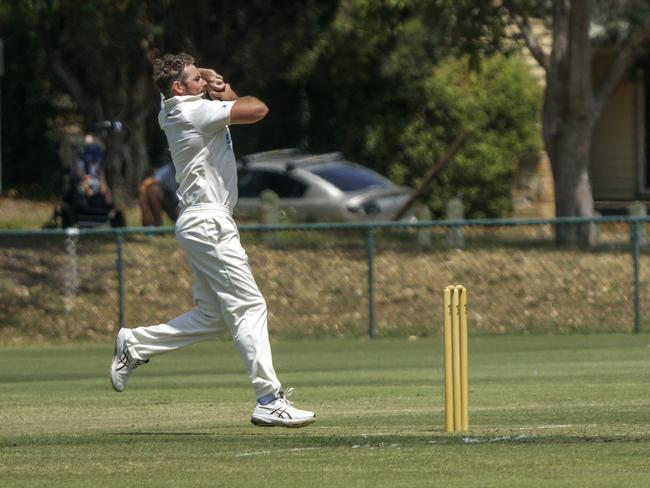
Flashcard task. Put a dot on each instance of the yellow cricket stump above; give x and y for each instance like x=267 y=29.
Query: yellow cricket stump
x=456 y=369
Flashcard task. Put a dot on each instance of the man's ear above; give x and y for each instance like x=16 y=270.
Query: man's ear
x=178 y=88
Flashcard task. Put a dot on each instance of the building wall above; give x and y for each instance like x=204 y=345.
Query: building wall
x=618 y=156
x=615 y=147
x=532 y=192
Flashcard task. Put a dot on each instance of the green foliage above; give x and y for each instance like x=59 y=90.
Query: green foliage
x=375 y=79
x=391 y=85
x=70 y=64
x=500 y=104
x=28 y=155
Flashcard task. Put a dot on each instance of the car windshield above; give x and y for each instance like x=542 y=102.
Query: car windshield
x=350 y=178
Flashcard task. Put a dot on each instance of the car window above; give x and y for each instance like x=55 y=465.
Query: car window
x=247 y=184
x=252 y=182
x=350 y=178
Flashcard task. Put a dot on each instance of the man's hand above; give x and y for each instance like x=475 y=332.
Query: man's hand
x=215 y=84
x=228 y=94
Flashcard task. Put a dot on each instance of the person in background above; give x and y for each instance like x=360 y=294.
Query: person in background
x=86 y=191
x=156 y=194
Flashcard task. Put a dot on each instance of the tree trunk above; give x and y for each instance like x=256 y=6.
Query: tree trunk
x=139 y=154
x=572 y=103
x=118 y=168
x=573 y=195
x=141 y=105
x=569 y=116
x=127 y=161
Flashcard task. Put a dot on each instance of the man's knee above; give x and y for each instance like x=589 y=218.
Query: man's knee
x=144 y=185
x=256 y=306
x=154 y=192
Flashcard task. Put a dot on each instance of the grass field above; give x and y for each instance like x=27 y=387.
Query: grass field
x=544 y=411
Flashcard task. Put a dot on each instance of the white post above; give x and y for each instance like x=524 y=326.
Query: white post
x=638 y=209
x=269 y=213
x=71 y=269
x=455 y=211
x=423 y=214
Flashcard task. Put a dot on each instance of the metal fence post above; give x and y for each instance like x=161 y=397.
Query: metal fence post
x=120 y=276
x=372 y=326
x=71 y=276
x=636 y=254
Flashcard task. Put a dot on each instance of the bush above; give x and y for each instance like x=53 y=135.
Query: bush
x=500 y=103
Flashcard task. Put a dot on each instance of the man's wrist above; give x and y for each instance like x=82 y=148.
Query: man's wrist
x=228 y=95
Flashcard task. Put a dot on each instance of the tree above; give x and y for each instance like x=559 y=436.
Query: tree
x=255 y=45
x=573 y=100
x=29 y=157
x=393 y=83
x=103 y=66
x=500 y=104
x=90 y=62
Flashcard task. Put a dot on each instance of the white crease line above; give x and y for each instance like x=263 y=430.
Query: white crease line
x=505 y=438
x=261 y=453
x=298 y=449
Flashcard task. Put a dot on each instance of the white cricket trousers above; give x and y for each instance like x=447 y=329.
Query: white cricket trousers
x=225 y=294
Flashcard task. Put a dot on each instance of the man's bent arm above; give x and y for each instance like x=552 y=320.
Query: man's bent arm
x=248 y=110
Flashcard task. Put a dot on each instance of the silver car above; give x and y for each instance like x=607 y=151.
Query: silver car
x=322 y=187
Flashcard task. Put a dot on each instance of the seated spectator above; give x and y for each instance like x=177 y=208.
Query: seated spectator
x=90 y=178
x=87 y=199
x=87 y=192
x=156 y=194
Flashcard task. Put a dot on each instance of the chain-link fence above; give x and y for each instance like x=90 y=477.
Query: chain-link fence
x=336 y=280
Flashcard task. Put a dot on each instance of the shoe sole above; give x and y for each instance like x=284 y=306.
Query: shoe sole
x=115 y=358
x=282 y=423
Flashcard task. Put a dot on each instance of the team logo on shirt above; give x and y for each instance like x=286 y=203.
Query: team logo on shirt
x=228 y=138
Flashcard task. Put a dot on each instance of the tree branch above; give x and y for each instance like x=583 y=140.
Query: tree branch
x=74 y=87
x=579 y=86
x=527 y=33
x=621 y=62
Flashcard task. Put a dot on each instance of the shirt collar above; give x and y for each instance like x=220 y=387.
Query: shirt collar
x=169 y=103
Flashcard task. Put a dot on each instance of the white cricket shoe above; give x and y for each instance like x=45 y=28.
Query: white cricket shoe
x=282 y=413
x=123 y=363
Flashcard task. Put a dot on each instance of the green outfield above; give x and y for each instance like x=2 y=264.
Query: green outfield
x=544 y=411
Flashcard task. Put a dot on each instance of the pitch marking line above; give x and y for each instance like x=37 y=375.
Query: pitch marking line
x=558 y=426
x=262 y=453
x=504 y=438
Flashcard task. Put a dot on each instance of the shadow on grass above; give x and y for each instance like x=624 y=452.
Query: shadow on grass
x=291 y=439
x=247 y=444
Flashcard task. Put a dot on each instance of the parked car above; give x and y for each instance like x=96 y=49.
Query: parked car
x=318 y=187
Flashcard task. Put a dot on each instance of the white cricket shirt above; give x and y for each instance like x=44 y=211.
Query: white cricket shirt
x=201 y=148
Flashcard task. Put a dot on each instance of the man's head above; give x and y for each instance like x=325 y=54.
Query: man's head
x=175 y=74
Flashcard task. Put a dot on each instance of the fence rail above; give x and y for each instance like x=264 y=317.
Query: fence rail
x=337 y=279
